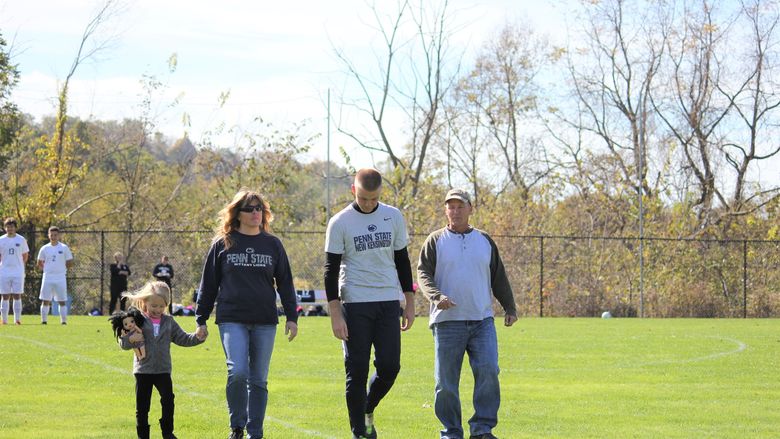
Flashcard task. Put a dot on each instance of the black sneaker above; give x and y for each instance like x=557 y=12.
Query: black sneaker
x=483 y=436
x=44 y=323
x=64 y=323
x=238 y=433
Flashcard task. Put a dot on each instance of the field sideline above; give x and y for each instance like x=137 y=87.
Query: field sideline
x=573 y=378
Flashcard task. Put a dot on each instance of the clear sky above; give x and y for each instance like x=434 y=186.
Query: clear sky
x=275 y=58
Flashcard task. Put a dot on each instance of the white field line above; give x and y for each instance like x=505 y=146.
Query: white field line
x=179 y=388
x=740 y=346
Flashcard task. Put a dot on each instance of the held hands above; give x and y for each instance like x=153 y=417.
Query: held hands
x=201 y=332
x=291 y=330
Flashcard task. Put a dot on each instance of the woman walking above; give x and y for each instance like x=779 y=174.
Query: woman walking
x=242 y=266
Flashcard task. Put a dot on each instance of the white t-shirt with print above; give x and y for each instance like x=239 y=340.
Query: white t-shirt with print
x=367 y=242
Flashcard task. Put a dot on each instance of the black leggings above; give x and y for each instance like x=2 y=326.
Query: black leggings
x=143 y=399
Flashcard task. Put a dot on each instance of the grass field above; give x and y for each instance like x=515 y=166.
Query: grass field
x=560 y=378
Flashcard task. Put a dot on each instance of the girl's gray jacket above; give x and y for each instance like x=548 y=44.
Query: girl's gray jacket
x=158 y=349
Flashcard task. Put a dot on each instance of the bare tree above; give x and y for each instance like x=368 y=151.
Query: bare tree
x=411 y=79
x=613 y=67
x=689 y=106
x=721 y=104
x=755 y=101
x=497 y=102
x=461 y=140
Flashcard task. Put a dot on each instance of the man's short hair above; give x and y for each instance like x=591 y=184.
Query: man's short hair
x=9 y=221
x=54 y=229
x=368 y=179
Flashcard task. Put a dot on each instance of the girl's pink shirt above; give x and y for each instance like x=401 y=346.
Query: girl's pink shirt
x=155 y=321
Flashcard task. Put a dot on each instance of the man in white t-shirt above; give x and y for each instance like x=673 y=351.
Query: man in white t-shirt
x=367 y=268
x=54 y=259
x=13 y=255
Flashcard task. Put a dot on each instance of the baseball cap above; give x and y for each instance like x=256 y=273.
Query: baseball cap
x=458 y=194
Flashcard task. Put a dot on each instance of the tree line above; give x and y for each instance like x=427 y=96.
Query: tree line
x=666 y=108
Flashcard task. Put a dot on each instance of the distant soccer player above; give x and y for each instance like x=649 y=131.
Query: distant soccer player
x=13 y=255
x=54 y=259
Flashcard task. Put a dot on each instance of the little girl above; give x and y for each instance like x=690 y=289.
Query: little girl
x=157 y=333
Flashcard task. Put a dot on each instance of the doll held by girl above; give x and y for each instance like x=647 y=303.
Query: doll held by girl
x=127 y=323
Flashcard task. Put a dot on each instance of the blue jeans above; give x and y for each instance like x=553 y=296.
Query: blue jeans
x=478 y=339
x=248 y=351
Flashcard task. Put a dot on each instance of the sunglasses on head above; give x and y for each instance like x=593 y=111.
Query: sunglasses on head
x=250 y=209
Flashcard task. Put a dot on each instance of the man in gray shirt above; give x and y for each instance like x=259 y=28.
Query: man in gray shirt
x=459 y=266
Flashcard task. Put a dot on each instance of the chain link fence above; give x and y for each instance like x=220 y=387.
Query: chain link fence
x=585 y=276
x=550 y=275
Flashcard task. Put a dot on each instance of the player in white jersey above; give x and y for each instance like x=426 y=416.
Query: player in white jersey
x=13 y=255
x=54 y=259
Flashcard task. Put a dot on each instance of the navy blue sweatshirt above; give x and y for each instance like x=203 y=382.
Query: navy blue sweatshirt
x=241 y=280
